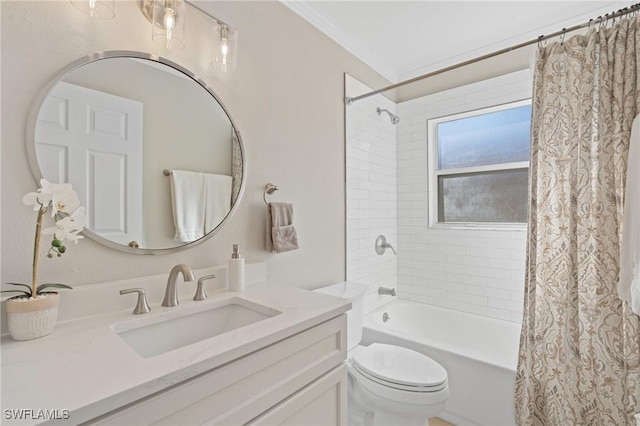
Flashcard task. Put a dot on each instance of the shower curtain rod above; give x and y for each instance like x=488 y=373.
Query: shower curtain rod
x=599 y=21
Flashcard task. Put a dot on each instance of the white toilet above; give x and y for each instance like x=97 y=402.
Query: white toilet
x=388 y=384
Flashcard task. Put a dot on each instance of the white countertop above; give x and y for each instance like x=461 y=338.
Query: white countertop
x=86 y=368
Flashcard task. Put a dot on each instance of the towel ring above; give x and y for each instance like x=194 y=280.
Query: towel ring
x=268 y=189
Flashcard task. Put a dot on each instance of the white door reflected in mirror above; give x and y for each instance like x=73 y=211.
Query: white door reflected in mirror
x=93 y=140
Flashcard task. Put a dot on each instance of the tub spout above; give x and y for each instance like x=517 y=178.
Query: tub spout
x=387 y=291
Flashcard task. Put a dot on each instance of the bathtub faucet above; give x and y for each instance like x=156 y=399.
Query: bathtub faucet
x=386 y=290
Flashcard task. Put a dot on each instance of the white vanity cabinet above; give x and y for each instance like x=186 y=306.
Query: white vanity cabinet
x=300 y=380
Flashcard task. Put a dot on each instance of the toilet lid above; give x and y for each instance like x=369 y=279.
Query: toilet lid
x=398 y=365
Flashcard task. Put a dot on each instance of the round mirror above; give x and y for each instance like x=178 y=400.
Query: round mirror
x=152 y=153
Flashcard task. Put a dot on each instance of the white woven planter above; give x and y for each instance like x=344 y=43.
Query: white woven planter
x=32 y=318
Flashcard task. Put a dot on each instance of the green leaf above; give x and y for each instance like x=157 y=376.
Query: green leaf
x=28 y=294
x=21 y=285
x=50 y=285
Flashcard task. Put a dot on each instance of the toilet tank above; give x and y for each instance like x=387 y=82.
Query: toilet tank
x=355 y=292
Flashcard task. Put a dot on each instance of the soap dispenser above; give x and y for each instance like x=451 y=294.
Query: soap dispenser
x=236 y=270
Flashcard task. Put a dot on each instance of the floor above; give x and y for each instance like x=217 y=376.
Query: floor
x=435 y=421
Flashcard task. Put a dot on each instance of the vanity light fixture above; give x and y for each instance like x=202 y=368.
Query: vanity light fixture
x=99 y=9
x=225 y=58
x=167 y=18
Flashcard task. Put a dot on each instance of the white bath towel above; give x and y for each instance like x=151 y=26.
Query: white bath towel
x=188 y=202
x=218 y=199
x=629 y=284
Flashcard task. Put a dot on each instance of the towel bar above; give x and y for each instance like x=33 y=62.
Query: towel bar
x=166 y=172
x=268 y=189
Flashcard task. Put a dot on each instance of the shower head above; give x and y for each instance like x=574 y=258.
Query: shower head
x=394 y=118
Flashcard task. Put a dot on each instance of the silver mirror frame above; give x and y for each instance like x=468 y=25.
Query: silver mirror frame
x=37 y=173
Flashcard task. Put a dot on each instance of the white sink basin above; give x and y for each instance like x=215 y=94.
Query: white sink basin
x=156 y=335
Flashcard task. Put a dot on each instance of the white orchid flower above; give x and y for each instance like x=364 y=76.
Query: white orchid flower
x=63 y=198
x=69 y=227
x=39 y=199
x=76 y=220
x=31 y=199
x=74 y=236
x=60 y=196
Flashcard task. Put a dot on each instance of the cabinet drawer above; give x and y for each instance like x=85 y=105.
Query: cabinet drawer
x=239 y=391
x=323 y=402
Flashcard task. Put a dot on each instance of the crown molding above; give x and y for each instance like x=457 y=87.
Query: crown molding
x=307 y=12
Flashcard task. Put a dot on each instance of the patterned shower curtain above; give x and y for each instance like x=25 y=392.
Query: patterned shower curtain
x=579 y=360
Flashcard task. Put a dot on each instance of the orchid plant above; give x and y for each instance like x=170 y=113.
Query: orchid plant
x=70 y=220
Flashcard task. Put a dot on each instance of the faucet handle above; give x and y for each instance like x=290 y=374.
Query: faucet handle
x=382 y=245
x=201 y=294
x=142 y=307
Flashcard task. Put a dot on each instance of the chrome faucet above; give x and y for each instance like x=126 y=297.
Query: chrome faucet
x=171 y=293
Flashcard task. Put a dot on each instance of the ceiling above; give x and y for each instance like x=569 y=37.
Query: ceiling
x=404 y=39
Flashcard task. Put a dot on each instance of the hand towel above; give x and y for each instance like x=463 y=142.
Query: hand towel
x=217 y=199
x=188 y=202
x=281 y=234
x=629 y=283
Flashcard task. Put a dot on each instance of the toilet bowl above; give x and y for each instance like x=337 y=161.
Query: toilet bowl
x=388 y=384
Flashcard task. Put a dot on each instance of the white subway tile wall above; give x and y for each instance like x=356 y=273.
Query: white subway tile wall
x=472 y=270
x=371 y=192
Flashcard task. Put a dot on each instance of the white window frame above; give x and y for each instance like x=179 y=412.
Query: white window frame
x=433 y=172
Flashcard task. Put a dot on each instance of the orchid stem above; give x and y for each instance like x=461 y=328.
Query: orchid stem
x=36 y=252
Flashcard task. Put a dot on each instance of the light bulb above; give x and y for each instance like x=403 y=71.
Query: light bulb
x=169 y=21
x=225 y=50
x=224 y=47
x=96 y=9
x=92 y=9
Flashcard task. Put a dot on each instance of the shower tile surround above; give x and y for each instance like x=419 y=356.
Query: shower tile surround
x=371 y=191
x=480 y=271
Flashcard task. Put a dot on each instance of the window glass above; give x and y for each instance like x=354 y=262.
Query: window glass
x=479 y=166
x=496 y=196
x=494 y=138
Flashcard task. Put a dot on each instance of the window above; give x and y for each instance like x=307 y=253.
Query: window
x=479 y=166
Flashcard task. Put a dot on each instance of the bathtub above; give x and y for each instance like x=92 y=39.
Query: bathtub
x=479 y=353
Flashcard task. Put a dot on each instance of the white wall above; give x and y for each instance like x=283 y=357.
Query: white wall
x=371 y=191
x=286 y=97
x=471 y=270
